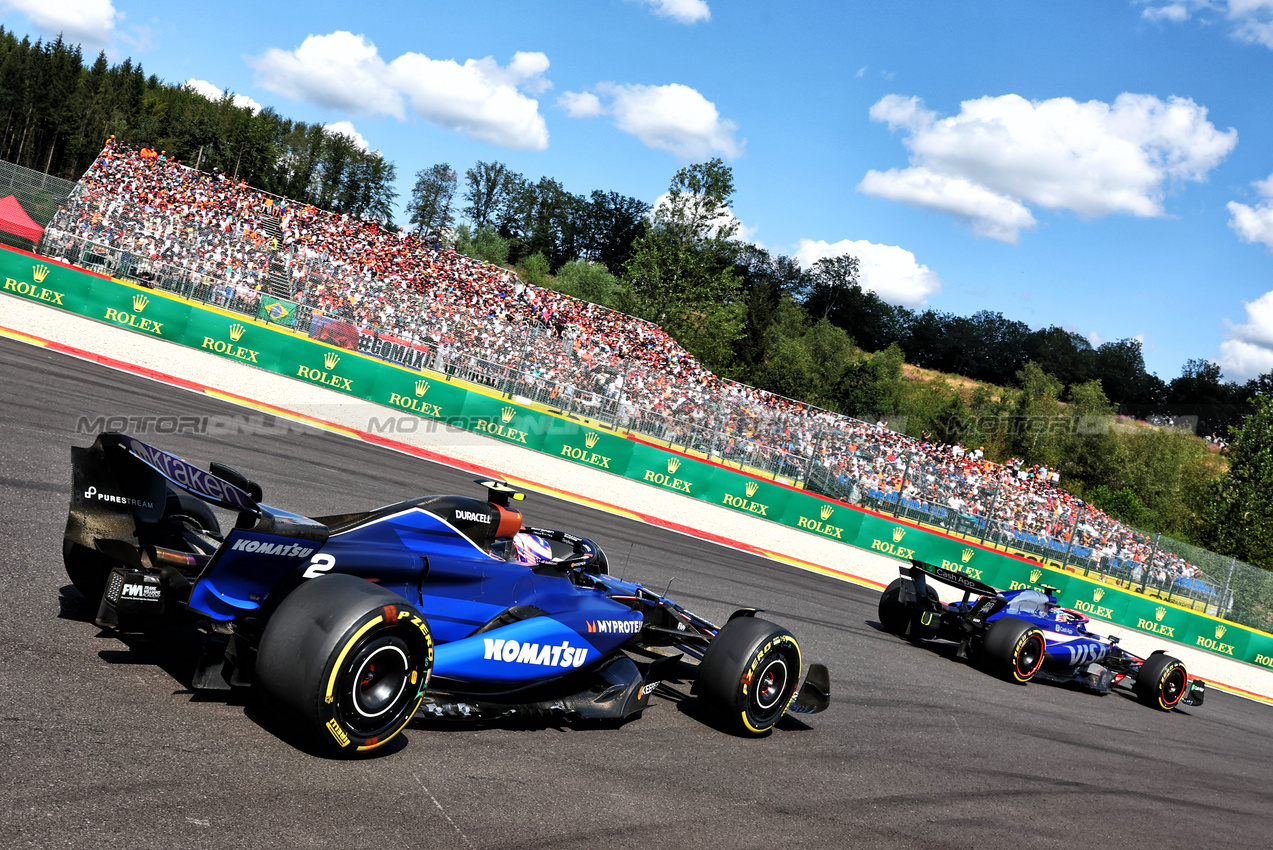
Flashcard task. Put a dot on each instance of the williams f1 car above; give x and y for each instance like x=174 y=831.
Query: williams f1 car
x=443 y=604
x=1025 y=635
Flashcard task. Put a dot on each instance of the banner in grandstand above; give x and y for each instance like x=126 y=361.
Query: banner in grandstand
x=392 y=348
x=277 y=310
x=334 y=331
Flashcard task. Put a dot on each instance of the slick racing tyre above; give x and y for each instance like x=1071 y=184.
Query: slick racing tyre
x=1161 y=682
x=349 y=658
x=87 y=569
x=749 y=674
x=895 y=615
x=1014 y=649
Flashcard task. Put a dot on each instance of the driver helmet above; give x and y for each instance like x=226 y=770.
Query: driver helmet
x=532 y=548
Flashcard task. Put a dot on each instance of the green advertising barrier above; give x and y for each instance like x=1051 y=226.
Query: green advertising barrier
x=1097 y=600
x=28 y=277
x=428 y=395
x=504 y=420
x=140 y=309
x=589 y=446
x=417 y=393
x=233 y=338
x=672 y=471
x=328 y=366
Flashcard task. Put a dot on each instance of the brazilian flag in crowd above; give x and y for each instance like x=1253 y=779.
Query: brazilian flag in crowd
x=277 y=310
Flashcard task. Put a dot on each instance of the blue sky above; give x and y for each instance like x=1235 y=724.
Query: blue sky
x=1102 y=165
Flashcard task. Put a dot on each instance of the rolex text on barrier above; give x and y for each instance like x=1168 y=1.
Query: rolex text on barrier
x=504 y=420
x=232 y=337
x=424 y=394
x=45 y=281
x=675 y=472
x=588 y=446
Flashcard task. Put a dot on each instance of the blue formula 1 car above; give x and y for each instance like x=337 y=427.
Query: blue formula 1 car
x=352 y=623
x=1024 y=635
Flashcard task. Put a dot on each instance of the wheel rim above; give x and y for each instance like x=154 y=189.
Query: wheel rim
x=380 y=681
x=1030 y=657
x=1173 y=686
x=771 y=684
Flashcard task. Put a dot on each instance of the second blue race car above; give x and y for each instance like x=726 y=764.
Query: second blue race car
x=1024 y=635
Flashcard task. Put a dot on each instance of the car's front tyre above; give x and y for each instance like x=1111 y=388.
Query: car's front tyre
x=749 y=674
x=1161 y=682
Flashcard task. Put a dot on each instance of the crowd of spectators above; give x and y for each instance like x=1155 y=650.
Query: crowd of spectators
x=483 y=318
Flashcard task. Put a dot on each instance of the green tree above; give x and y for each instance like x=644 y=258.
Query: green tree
x=431 y=200
x=683 y=263
x=485 y=245
x=1238 y=518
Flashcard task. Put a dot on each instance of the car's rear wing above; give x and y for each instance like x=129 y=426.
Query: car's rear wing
x=205 y=485
x=918 y=572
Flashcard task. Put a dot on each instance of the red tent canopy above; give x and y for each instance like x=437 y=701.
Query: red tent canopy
x=14 y=219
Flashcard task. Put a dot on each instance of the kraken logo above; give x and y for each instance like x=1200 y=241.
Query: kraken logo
x=1035 y=575
x=237 y=331
x=751 y=488
x=39 y=272
x=330 y=359
x=898 y=534
x=1098 y=594
x=506 y=414
x=673 y=464
x=1220 y=630
x=421 y=387
x=1159 y=613
x=590 y=439
x=139 y=302
x=967 y=554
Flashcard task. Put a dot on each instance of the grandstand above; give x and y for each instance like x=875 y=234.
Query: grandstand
x=139 y=215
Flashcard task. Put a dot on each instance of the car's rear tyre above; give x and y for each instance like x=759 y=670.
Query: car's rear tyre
x=1161 y=682
x=349 y=658
x=895 y=615
x=749 y=675
x=87 y=569
x=1014 y=649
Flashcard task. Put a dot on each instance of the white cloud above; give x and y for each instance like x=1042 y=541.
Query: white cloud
x=90 y=22
x=674 y=117
x=1255 y=224
x=1250 y=20
x=346 y=128
x=581 y=104
x=889 y=271
x=1248 y=351
x=682 y=11
x=211 y=92
x=343 y=71
x=999 y=154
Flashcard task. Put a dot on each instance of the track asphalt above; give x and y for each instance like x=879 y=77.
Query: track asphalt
x=102 y=743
